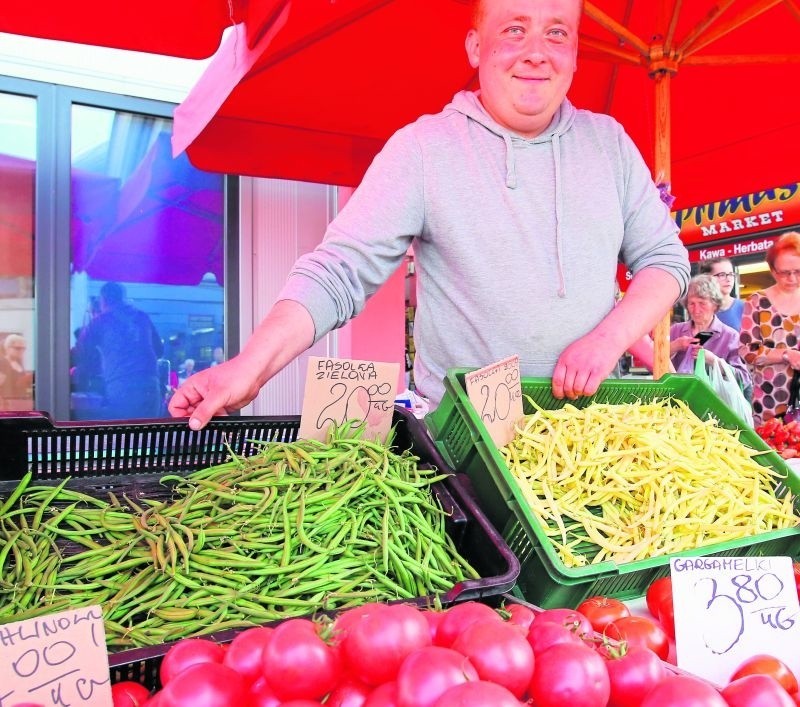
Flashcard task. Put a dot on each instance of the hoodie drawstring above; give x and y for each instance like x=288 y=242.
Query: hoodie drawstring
x=562 y=287
x=511 y=167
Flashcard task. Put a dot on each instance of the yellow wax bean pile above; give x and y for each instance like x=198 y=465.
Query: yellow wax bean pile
x=639 y=480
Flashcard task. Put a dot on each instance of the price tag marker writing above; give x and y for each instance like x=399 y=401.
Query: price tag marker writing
x=56 y=659
x=728 y=609
x=496 y=393
x=338 y=390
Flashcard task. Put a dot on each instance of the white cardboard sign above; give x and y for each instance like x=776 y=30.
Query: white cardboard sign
x=55 y=660
x=338 y=390
x=496 y=393
x=728 y=609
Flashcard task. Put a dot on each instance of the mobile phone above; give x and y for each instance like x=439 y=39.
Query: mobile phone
x=703 y=336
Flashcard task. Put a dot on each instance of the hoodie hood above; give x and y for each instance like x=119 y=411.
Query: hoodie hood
x=469 y=104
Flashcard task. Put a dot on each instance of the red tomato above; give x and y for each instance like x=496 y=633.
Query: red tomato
x=261 y=695
x=458 y=617
x=642 y=632
x=429 y=672
x=756 y=690
x=796 y=568
x=348 y=693
x=349 y=617
x=188 y=652
x=434 y=618
x=477 y=694
x=567 y=617
x=666 y=617
x=762 y=664
x=543 y=634
x=129 y=694
x=245 y=652
x=499 y=652
x=658 y=594
x=633 y=675
x=570 y=674
x=205 y=685
x=601 y=611
x=301 y=703
x=683 y=691
x=298 y=664
x=377 y=644
x=520 y=615
x=383 y=696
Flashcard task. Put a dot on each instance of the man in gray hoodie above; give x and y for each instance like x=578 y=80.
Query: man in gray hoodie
x=519 y=207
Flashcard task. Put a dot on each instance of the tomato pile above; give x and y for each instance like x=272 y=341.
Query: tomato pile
x=470 y=655
x=782 y=437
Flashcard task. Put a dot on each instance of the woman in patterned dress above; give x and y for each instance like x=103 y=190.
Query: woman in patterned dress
x=768 y=341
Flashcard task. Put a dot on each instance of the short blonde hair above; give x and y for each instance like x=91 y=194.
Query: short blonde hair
x=14 y=341
x=478 y=9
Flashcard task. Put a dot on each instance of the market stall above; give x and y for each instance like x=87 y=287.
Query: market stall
x=198 y=529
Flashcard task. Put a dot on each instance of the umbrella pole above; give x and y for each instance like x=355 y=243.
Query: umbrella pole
x=662 y=169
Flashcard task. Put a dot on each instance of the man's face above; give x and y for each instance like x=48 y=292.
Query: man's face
x=15 y=351
x=525 y=52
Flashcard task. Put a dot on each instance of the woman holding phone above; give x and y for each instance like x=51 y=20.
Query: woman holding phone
x=704 y=329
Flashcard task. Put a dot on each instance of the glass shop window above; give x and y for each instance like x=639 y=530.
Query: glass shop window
x=147 y=265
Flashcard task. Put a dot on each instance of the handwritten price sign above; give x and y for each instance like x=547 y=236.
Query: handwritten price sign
x=496 y=394
x=728 y=609
x=58 y=659
x=338 y=390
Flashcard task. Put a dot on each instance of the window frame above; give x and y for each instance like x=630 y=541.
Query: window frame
x=52 y=255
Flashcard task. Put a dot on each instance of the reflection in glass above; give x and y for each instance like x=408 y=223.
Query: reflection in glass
x=17 y=231
x=147 y=228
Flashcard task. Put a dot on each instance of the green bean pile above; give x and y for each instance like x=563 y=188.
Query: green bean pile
x=297 y=527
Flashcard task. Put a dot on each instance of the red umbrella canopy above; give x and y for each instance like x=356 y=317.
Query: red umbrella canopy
x=184 y=28
x=326 y=85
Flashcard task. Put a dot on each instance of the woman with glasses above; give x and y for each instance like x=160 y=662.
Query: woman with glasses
x=705 y=330
x=730 y=311
x=770 y=327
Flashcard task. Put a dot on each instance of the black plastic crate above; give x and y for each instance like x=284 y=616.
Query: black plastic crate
x=129 y=457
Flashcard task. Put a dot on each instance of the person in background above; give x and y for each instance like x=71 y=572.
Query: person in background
x=186 y=370
x=770 y=326
x=730 y=311
x=703 y=300
x=15 y=381
x=129 y=347
x=218 y=356
x=519 y=207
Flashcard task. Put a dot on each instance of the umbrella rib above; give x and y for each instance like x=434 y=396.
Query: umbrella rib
x=669 y=37
x=734 y=23
x=714 y=14
x=622 y=32
x=606 y=50
x=723 y=59
x=793 y=7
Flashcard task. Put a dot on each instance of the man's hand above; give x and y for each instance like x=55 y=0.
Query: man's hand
x=218 y=390
x=584 y=365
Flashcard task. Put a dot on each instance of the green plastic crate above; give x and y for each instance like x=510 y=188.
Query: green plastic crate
x=544 y=579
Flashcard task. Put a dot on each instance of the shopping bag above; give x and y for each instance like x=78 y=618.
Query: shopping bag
x=722 y=378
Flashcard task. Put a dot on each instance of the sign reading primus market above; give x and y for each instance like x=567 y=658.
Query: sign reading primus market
x=766 y=210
